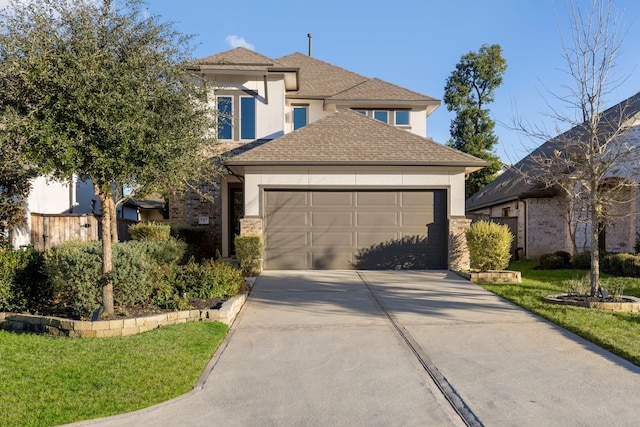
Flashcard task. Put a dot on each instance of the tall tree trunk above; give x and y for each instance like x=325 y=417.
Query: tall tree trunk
x=114 y=222
x=106 y=201
x=595 y=247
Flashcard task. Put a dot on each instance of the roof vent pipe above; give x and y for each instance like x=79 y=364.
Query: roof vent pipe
x=310 y=37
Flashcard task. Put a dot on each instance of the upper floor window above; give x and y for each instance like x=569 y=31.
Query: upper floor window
x=402 y=118
x=300 y=117
x=383 y=116
x=236 y=117
x=225 y=117
x=392 y=117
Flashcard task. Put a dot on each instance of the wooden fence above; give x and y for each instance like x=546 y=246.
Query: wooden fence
x=48 y=230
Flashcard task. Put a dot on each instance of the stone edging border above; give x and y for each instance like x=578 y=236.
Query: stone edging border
x=633 y=306
x=492 y=276
x=57 y=326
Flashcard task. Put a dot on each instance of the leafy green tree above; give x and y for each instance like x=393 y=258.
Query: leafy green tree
x=469 y=89
x=99 y=89
x=15 y=184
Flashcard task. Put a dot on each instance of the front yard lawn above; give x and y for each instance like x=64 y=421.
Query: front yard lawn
x=49 y=381
x=617 y=332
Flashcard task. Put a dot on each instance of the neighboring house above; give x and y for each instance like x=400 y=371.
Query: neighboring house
x=538 y=218
x=59 y=211
x=333 y=169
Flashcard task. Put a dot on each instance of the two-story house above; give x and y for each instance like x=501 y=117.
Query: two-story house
x=332 y=168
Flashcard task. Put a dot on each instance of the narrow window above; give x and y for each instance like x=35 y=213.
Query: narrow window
x=383 y=116
x=247 y=118
x=402 y=117
x=225 y=130
x=363 y=112
x=299 y=117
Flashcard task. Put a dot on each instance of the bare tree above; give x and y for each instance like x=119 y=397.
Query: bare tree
x=593 y=165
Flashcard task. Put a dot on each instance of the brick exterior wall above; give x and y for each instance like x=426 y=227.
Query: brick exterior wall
x=458 y=250
x=251 y=226
x=190 y=209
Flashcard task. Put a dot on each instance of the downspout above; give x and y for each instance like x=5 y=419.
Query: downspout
x=72 y=193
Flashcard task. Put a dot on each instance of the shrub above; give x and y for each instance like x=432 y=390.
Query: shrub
x=196 y=240
x=150 y=232
x=210 y=279
x=74 y=269
x=582 y=260
x=249 y=251
x=131 y=274
x=631 y=265
x=578 y=285
x=551 y=261
x=613 y=263
x=166 y=252
x=566 y=257
x=489 y=245
x=23 y=287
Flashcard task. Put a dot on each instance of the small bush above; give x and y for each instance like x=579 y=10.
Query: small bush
x=578 y=285
x=613 y=263
x=131 y=274
x=210 y=279
x=566 y=257
x=23 y=287
x=166 y=252
x=582 y=260
x=631 y=266
x=74 y=269
x=150 y=232
x=489 y=245
x=551 y=262
x=249 y=250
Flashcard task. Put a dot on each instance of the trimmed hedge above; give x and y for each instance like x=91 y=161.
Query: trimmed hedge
x=489 y=245
x=551 y=262
x=150 y=232
x=249 y=250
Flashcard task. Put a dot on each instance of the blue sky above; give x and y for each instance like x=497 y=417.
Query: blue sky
x=416 y=44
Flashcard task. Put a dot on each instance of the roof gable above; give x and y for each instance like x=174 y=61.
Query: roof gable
x=349 y=138
x=237 y=56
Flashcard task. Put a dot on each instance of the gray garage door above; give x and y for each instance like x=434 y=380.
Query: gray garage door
x=355 y=229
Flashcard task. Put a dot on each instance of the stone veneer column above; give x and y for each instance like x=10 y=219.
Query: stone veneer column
x=458 y=250
x=251 y=226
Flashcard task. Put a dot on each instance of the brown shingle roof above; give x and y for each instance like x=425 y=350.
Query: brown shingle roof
x=237 y=56
x=376 y=89
x=349 y=138
x=319 y=79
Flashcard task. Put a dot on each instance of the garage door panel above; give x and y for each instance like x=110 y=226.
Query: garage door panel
x=355 y=229
x=332 y=239
x=374 y=198
x=331 y=199
x=416 y=219
x=332 y=219
x=287 y=199
x=373 y=238
x=289 y=219
x=287 y=238
x=369 y=219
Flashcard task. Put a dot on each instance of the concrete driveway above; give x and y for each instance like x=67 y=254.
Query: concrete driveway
x=392 y=348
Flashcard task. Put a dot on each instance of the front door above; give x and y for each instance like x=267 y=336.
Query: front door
x=236 y=211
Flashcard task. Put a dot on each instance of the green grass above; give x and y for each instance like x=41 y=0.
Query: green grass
x=49 y=381
x=617 y=332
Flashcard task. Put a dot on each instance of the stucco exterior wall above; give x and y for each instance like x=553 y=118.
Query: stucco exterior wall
x=354 y=177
